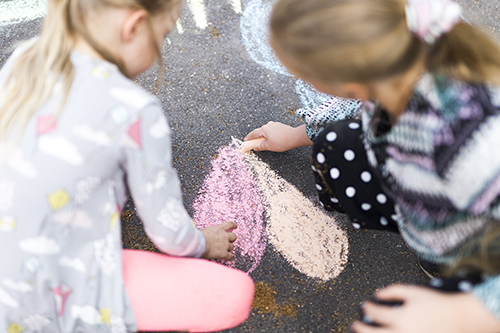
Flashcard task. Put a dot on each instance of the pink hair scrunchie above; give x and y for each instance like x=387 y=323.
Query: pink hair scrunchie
x=430 y=19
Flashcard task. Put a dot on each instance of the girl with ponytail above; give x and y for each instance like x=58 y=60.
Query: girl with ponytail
x=76 y=134
x=420 y=157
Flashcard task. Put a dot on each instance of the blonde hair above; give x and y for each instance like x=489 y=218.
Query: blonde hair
x=481 y=255
x=365 y=40
x=47 y=61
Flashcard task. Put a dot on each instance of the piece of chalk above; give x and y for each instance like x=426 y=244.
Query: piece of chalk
x=246 y=146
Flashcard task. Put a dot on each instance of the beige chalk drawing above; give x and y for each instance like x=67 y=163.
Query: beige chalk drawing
x=310 y=240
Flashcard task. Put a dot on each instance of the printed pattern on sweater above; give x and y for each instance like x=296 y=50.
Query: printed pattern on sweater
x=62 y=188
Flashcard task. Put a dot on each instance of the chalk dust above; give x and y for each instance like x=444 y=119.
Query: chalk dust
x=309 y=239
x=229 y=193
x=265 y=301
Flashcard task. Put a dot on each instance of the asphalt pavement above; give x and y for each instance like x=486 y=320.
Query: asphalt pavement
x=214 y=90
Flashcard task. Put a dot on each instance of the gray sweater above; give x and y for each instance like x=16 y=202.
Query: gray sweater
x=61 y=192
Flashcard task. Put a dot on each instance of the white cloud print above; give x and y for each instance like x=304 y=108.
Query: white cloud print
x=159 y=129
x=155 y=238
x=40 y=245
x=36 y=322
x=76 y=263
x=158 y=183
x=87 y=314
x=105 y=253
x=132 y=97
x=6 y=299
x=172 y=215
x=119 y=115
x=61 y=148
x=78 y=218
x=21 y=286
x=86 y=133
x=17 y=161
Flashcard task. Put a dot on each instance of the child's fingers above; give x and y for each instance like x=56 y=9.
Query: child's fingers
x=227 y=255
x=232 y=237
x=396 y=292
x=251 y=144
x=380 y=314
x=229 y=225
x=261 y=146
x=359 y=327
x=256 y=133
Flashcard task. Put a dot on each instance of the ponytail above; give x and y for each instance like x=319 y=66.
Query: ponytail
x=480 y=256
x=468 y=54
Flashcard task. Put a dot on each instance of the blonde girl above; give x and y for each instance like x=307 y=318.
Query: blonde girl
x=422 y=157
x=76 y=135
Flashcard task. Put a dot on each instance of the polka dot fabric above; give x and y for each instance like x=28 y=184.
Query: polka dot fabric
x=345 y=181
x=463 y=283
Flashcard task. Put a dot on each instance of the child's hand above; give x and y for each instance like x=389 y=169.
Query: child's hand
x=279 y=137
x=427 y=310
x=219 y=241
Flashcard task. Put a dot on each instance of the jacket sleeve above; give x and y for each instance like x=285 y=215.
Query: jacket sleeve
x=154 y=185
x=488 y=292
x=332 y=110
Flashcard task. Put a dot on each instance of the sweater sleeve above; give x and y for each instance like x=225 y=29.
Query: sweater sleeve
x=488 y=293
x=471 y=174
x=155 y=187
x=330 y=111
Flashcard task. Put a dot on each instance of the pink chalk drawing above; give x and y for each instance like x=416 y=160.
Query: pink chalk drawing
x=244 y=189
x=229 y=193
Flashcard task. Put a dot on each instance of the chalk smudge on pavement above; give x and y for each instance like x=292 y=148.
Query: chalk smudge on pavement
x=197 y=8
x=255 y=35
x=236 y=6
x=309 y=239
x=18 y=11
x=179 y=27
x=254 y=26
x=265 y=302
x=229 y=193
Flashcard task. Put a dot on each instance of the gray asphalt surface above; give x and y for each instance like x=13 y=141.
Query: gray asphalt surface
x=212 y=90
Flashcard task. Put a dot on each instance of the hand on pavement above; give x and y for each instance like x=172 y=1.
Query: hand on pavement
x=426 y=310
x=219 y=241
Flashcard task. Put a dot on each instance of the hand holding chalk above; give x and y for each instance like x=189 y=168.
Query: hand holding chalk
x=246 y=146
x=278 y=137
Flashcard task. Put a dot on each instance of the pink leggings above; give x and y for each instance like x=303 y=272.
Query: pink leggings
x=170 y=293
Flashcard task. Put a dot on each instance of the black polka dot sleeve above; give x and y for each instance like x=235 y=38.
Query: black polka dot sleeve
x=346 y=182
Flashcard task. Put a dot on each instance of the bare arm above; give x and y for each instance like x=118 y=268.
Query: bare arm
x=279 y=137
